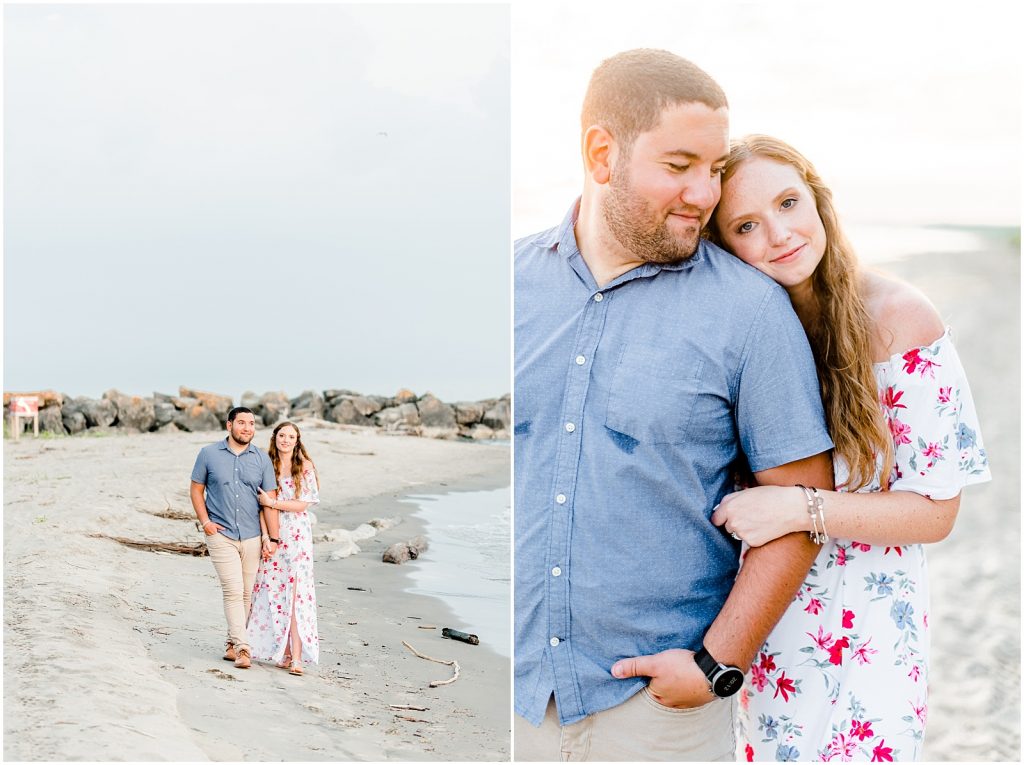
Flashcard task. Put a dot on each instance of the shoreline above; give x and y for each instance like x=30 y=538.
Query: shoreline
x=114 y=653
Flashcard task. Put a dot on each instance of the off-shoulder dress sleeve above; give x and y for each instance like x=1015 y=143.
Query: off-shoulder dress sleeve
x=934 y=425
x=310 y=493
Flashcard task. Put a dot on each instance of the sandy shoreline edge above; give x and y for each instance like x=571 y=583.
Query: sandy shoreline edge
x=113 y=653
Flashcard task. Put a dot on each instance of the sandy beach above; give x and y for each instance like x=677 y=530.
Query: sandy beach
x=114 y=653
x=974 y=703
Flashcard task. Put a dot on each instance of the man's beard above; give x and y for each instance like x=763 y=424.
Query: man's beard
x=242 y=439
x=637 y=228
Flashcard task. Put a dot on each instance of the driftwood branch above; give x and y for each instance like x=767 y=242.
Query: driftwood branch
x=452 y=663
x=199 y=550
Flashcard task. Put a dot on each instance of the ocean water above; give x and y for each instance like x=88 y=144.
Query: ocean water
x=468 y=562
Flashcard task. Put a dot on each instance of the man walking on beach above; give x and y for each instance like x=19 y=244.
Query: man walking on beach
x=648 y=364
x=225 y=480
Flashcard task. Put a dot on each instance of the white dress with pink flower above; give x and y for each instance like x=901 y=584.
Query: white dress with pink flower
x=844 y=674
x=286 y=581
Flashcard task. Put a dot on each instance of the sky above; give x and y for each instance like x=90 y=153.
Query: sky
x=257 y=197
x=910 y=111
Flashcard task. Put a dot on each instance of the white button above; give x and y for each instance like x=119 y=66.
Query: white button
x=560 y=499
x=570 y=427
x=598 y=297
x=554 y=641
x=581 y=360
x=556 y=571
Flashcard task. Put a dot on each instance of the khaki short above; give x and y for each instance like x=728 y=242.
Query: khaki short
x=639 y=729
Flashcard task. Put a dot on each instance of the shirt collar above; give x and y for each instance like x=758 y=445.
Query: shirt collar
x=563 y=240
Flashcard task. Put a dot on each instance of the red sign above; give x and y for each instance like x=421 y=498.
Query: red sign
x=22 y=405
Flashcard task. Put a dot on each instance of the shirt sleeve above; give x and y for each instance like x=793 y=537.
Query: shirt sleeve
x=269 y=482
x=200 y=470
x=779 y=415
x=933 y=422
x=310 y=493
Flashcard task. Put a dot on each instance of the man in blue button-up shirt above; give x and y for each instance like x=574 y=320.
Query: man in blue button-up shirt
x=225 y=481
x=650 y=367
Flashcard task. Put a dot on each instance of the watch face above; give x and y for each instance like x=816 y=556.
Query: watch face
x=728 y=682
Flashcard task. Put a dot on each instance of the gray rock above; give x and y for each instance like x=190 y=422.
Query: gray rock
x=181 y=403
x=198 y=418
x=274 y=407
x=403 y=417
x=74 y=421
x=250 y=401
x=400 y=552
x=331 y=396
x=98 y=414
x=309 y=403
x=168 y=427
x=435 y=413
x=405 y=396
x=163 y=413
x=347 y=414
x=468 y=412
x=498 y=416
x=133 y=411
x=162 y=398
x=50 y=420
x=367 y=405
x=212 y=402
x=477 y=431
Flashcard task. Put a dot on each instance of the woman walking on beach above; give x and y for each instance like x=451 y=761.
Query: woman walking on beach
x=844 y=673
x=282 y=622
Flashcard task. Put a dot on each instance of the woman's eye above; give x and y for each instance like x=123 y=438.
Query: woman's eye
x=788 y=202
x=717 y=170
x=745 y=228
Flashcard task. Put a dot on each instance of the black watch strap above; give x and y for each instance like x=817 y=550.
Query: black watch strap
x=275 y=541
x=706 y=662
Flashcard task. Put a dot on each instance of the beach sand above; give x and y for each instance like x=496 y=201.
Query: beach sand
x=114 y=653
x=974 y=703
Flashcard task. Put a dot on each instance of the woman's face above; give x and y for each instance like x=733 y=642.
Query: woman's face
x=286 y=439
x=768 y=218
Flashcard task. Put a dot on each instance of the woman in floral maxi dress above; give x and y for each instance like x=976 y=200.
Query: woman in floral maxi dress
x=282 y=620
x=844 y=674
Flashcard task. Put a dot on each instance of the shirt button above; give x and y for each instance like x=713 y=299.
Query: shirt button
x=554 y=641
x=556 y=571
x=581 y=360
x=570 y=427
x=560 y=499
x=598 y=297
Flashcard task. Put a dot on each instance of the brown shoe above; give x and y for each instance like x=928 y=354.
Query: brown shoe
x=229 y=653
x=244 y=659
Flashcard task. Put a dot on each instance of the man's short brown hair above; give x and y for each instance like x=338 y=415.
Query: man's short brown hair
x=629 y=91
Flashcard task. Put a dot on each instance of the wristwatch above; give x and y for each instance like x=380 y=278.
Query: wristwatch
x=275 y=541
x=724 y=680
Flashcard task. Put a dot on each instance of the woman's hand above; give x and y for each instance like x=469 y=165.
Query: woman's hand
x=264 y=499
x=763 y=513
x=269 y=548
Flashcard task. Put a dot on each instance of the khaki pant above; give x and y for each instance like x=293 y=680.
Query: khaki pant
x=236 y=564
x=639 y=729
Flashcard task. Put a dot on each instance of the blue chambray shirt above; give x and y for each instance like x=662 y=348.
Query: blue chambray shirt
x=633 y=403
x=231 y=482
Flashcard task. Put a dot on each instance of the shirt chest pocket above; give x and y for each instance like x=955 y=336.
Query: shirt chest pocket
x=653 y=393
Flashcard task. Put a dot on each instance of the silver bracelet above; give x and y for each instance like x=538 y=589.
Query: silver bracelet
x=816 y=509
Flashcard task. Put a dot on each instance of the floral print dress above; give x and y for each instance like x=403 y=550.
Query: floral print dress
x=286 y=581
x=844 y=674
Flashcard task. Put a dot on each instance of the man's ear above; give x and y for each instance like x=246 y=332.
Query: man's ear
x=598 y=148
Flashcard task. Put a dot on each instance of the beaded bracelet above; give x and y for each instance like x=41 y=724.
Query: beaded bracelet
x=816 y=509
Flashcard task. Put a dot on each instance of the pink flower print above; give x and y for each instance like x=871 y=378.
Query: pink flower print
x=767 y=662
x=925 y=619
x=890 y=399
x=840 y=556
x=835 y=652
x=881 y=753
x=912 y=361
x=860 y=546
x=899 y=551
x=862 y=653
x=914 y=673
x=861 y=730
x=744 y=699
x=758 y=677
x=749 y=750
x=785 y=686
x=944 y=394
x=841 y=747
x=900 y=432
x=823 y=641
x=921 y=712
x=814 y=607
x=848 y=617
